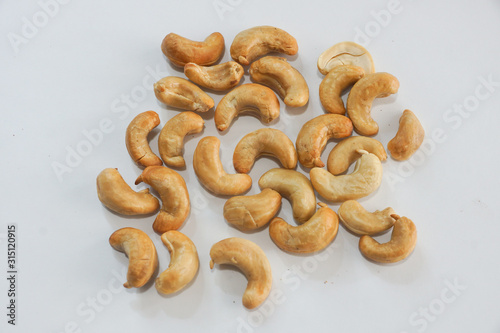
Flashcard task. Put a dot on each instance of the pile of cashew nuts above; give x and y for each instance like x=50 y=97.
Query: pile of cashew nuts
x=344 y=65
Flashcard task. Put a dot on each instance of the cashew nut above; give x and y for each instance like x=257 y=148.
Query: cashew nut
x=181 y=50
x=312 y=236
x=345 y=53
x=360 y=99
x=136 y=138
x=264 y=141
x=402 y=243
x=115 y=194
x=219 y=77
x=346 y=152
x=334 y=83
x=180 y=93
x=365 y=179
x=295 y=187
x=252 y=261
x=278 y=74
x=314 y=135
x=409 y=137
x=361 y=222
x=183 y=265
x=141 y=253
x=173 y=194
x=171 y=139
x=251 y=212
x=208 y=168
x=250 y=97
x=257 y=41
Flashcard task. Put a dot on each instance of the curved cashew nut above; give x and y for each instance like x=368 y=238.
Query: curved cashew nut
x=141 y=253
x=345 y=53
x=250 y=97
x=361 y=222
x=136 y=138
x=115 y=194
x=312 y=236
x=360 y=99
x=181 y=50
x=173 y=194
x=277 y=73
x=365 y=179
x=334 y=83
x=251 y=212
x=409 y=137
x=295 y=187
x=252 y=261
x=346 y=152
x=208 y=168
x=183 y=265
x=171 y=139
x=264 y=141
x=180 y=93
x=219 y=77
x=314 y=135
x=402 y=243
x=258 y=41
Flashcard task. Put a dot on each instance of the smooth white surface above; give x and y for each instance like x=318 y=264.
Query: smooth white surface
x=72 y=74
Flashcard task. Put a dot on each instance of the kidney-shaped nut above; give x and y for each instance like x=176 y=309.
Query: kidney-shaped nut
x=277 y=73
x=219 y=77
x=180 y=93
x=401 y=245
x=257 y=41
x=180 y=50
x=210 y=172
x=314 y=135
x=173 y=194
x=346 y=152
x=334 y=83
x=183 y=265
x=361 y=222
x=252 y=261
x=365 y=179
x=136 y=138
x=409 y=137
x=361 y=96
x=141 y=253
x=345 y=53
x=115 y=194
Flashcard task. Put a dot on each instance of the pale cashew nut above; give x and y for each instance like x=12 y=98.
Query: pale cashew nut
x=219 y=77
x=252 y=261
x=180 y=93
x=334 y=83
x=180 y=50
x=360 y=99
x=345 y=53
x=264 y=141
x=141 y=253
x=409 y=137
x=210 y=172
x=116 y=195
x=136 y=138
x=346 y=152
x=361 y=222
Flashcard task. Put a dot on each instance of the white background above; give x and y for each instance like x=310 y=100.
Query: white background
x=65 y=77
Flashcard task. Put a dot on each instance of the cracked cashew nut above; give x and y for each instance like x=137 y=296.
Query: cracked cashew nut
x=182 y=94
x=334 y=83
x=219 y=77
x=346 y=152
x=180 y=50
x=361 y=222
x=345 y=53
x=136 y=138
x=409 y=137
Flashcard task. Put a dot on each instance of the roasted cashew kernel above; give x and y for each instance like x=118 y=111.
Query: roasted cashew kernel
x=334 y=83
x=361 y=222
x=346 y=152
x=180 y=93
x=345 y=53
x=180 y=50
x=409 y=137
x=136 y=138
x=219 y=77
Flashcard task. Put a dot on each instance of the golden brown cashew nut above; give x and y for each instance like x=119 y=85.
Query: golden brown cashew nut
x=312 y=236
x=334 y=83
x=365 y=179
x=295 y=187
x=115 y=194
x=136 y=138
x=250 y=97
x=141 y=253
x=277 y=73
x=180 y=93
x=314 y=135
x=345 y=53
x=402 y=243
x=219 y=77
x=181 y=50
x=361 y=222
x=208 y=168
x=264 y=141
x=409 y=137
x=171 y=139
x=251 y=212
x=173 y=194
x=252 y=261
x=360 y=99
x=257 y=41
x=183 y=265
x=346 y=152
